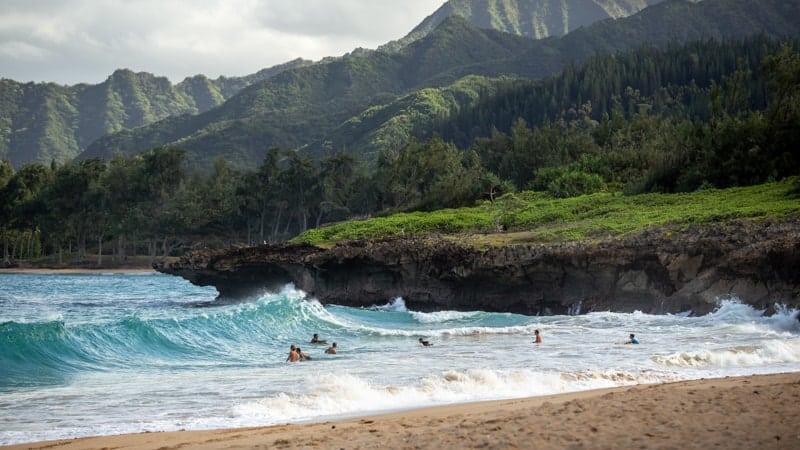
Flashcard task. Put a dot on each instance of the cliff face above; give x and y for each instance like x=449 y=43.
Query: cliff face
x=659 y=271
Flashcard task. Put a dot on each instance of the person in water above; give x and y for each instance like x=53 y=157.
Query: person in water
x=537 y=336
x=293 y=355
x=632 y=340
x=331 y=350
x=316 y=340
x=302 y=356
x=424 y=342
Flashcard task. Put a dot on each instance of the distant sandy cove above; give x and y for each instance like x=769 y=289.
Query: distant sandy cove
x=752 y=412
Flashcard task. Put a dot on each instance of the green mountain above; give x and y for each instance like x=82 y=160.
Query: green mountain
x=536 y=19
x=45 y=121
x=392 y=124
x=302 y=105
x=323 y=107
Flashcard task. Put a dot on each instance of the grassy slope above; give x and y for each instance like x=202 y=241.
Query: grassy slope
x=536 y=218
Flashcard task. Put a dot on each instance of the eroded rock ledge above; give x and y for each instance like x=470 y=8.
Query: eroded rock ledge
x=657 y=271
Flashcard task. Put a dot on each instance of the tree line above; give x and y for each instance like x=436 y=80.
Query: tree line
x=635 y=123
x=707 y=114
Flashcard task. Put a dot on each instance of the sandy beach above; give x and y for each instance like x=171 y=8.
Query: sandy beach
x=733 y=413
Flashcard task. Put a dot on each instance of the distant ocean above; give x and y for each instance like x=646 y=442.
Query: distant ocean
x=88 y=355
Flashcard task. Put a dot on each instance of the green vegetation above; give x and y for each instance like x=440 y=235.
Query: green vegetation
x=44 y=122
x=392 y=125
x=447 y=221
x=671 y=128
x=535 y=217
x=368 y=102
x=739 y=131
x=627 y=141
x=306 y=108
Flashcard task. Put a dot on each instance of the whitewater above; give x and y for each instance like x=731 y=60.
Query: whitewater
x=104 y=354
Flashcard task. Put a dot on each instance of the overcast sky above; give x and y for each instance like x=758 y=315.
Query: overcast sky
x=73 y=41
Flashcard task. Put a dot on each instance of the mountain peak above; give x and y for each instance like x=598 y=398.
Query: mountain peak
x=536 y=19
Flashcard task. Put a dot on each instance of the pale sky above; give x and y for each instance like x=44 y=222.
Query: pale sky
x=73 y=41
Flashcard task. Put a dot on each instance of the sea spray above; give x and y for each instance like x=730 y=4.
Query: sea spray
x=338 y=395
x=115 y=353
x=771 y=352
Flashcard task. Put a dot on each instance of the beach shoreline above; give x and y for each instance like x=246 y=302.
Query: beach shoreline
x=757 y=411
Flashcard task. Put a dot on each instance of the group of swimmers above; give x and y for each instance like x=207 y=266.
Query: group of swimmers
x=538 y=338
x=296 y=354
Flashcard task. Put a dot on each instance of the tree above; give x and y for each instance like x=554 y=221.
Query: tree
x=70 y=206
x=338 y=176
x=783 y=111
x=128 y=195
x=216 y=195
x=164 y=172
x=301 y=187
x=6 y=173
x=260 y=195
x=492 y=186
x=430 y=175
x=21 y=202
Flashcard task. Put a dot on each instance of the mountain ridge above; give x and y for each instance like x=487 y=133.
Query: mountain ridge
x=331 y=93
x=300 y=107
x=535 y=19
x=69 y=118
x=44 y=122
x=303 y=107
x=450 y=53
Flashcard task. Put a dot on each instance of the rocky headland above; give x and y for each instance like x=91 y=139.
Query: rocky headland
x=664 y=270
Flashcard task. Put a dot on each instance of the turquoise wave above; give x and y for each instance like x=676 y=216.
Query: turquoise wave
x=35 y=353
x=186 y=337
x=182 y=337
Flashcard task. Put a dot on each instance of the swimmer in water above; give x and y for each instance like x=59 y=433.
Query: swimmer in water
x=302 y=355
x=293 y=355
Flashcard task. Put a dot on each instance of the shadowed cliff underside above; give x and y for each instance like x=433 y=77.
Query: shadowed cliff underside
x=658 y=271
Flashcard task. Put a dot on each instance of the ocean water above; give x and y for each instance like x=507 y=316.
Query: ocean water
x=88 y=355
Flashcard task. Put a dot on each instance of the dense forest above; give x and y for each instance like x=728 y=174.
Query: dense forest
x=722 y=114
x=326 y=107
x=698 y=116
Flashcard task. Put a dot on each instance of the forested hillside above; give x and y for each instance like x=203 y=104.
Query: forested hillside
x=734 y=121
x=302 y=105
x=47 y=122
x=305 y=108
x=43 y=122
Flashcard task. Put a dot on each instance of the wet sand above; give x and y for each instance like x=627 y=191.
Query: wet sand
x=732 y=413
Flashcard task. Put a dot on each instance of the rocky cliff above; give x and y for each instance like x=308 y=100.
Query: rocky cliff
x=658 y=271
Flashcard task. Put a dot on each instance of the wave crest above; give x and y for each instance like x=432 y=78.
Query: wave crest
x=771 y=352
x=341 y=394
